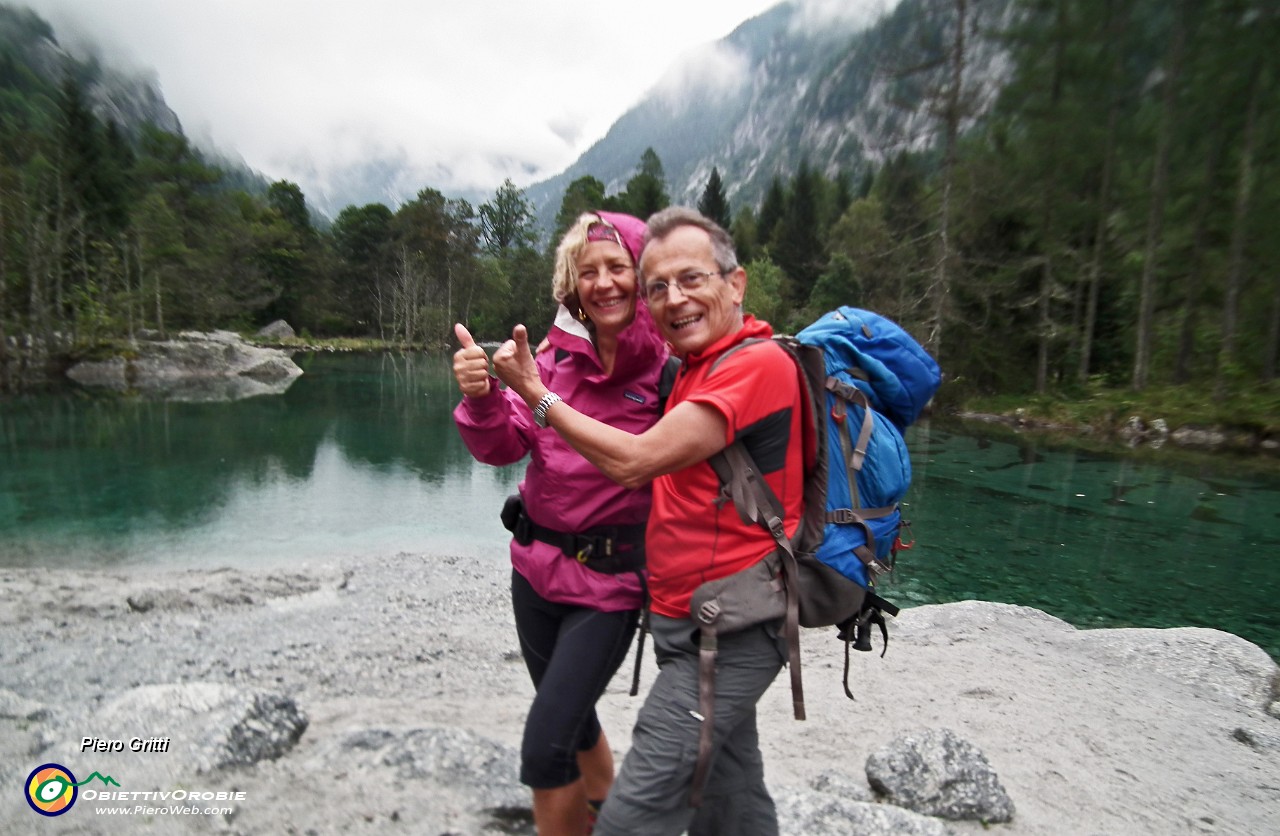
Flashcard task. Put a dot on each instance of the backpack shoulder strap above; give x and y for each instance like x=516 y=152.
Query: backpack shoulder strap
x=734 y=350
x=757 y=504
x=667 y=381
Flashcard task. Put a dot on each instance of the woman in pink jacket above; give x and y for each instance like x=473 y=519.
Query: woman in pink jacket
x=578 y=546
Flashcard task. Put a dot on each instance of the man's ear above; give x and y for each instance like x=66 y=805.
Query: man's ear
x=737 y=279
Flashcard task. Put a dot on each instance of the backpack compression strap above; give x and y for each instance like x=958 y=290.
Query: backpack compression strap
x=855 y=453
x=666 y=383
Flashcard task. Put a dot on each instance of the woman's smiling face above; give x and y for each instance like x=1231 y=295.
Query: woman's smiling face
x=607 y=286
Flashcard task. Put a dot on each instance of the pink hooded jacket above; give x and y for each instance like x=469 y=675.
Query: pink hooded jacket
x=561 y=489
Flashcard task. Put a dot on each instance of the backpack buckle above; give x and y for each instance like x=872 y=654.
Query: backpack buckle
x=709 y=611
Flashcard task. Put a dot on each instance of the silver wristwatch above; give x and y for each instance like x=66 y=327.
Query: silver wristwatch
x=540 y=411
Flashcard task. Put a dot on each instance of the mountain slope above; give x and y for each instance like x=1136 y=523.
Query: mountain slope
x=27 y=42
x=785 y=87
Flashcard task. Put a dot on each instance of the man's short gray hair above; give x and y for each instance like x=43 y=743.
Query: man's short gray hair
x=663 y=223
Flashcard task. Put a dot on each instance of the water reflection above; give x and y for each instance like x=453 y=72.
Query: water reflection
x=199 y=390
x=360 y=456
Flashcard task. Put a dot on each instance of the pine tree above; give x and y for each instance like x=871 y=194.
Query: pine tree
x=713 y=202
x=586 y=194
x=646 y=192
x=798 y=240
x=771 y=209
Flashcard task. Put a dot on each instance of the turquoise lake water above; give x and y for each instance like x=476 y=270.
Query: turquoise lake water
x=359 y=456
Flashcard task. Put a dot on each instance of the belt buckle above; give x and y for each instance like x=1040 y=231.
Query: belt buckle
x=597 y=545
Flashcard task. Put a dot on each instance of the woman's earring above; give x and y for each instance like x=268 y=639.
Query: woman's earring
x=582 y=314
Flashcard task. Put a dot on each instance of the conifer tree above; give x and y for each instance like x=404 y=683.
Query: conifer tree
x=586 y=194
x=713 y=202
x=799 y=248
x=771 y=209
x=646 y=192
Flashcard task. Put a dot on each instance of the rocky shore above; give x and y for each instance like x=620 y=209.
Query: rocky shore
x=387 y=694
x=1136 y=431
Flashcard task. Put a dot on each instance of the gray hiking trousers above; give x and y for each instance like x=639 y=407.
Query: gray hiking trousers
x=651 y=794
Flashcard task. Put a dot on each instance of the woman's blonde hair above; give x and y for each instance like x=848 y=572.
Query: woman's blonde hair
x=564 y=281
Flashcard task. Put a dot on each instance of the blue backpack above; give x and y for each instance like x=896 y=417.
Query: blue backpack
x=878 y=380
x=866 y=381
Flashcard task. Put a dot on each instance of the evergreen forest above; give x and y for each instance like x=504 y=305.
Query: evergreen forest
x=1110 y=222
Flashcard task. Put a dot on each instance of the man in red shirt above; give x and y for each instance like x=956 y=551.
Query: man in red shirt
x=694 y=288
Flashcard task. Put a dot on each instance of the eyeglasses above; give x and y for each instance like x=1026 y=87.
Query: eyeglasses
x=658 y=291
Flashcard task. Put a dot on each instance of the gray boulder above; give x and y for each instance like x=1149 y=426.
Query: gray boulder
x=197 y=366
x=837 y=803
x=820 y=813
x=220 y=726
x=462 y=761
x=936 y=773
x=278 y=330
x=449 y=780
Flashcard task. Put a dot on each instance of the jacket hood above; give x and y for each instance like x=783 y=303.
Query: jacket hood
x=638 y=343
x=631 y=229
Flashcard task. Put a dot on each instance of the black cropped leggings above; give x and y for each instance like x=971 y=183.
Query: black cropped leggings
x=571 y=653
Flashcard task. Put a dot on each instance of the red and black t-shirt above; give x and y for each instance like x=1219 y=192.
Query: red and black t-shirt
x=692 y=539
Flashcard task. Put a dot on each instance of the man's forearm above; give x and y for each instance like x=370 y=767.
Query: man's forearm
x=617 y=453
x=688 y=434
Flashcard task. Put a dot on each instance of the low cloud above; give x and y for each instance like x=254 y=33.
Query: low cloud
x=456 y=97
x=713 y=69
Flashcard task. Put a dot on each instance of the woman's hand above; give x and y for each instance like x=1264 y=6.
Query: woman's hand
x=470 y=365
x=514 y=366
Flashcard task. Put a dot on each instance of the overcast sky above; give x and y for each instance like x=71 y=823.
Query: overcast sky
x=452 y=94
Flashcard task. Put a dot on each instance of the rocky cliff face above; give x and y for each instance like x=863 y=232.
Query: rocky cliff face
x=130 y=100
x=840 y=93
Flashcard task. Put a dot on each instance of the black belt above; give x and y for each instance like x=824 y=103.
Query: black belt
x=610 y=549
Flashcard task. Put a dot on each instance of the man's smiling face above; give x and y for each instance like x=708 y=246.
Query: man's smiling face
x=692 y=321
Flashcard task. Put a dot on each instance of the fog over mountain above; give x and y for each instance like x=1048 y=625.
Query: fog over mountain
x=377 y=100
x=816 y=81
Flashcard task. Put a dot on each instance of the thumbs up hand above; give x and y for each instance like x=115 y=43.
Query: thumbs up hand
x=514 y=365
x=470 y=365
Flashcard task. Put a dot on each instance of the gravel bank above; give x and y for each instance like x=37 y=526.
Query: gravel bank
x=408 y=673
